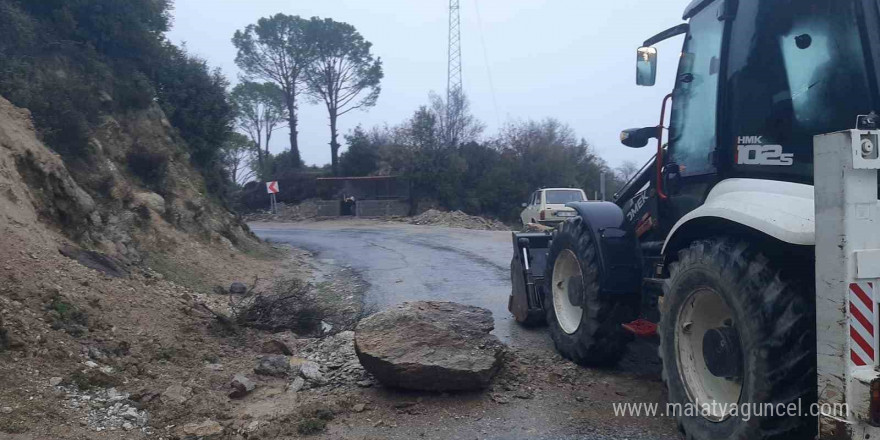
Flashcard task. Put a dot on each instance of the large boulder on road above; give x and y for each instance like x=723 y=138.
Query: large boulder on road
x=434 y=346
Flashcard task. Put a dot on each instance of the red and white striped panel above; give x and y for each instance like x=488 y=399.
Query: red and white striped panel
x=862 y=324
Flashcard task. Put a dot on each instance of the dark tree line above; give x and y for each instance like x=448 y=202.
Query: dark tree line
x=71 y=61
x=490 y=177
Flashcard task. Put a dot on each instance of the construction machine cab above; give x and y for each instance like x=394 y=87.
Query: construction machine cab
x=756 y=80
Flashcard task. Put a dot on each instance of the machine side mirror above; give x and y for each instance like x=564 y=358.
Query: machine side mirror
x=637 y=137
x=646 y=66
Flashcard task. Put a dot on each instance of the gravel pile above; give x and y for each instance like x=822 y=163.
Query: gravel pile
x=107 y=409
x=306 y=210
x=338 y=360
x=457 y=219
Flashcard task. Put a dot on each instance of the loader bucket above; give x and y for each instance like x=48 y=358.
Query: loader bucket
x=527 y=269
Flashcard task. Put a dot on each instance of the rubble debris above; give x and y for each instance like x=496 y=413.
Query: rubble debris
x=275 y=365
x=108 y=409
x=336 y=351
x=241 y=386
x=177 y=394
x=207 y=428
x=457 y=219
x=433 y=346
x=297 y=385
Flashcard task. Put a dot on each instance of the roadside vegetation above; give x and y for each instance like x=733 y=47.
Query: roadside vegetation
x=71 y=62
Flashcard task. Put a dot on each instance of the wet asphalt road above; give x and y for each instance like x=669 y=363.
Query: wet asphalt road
x=402 y=262
x=408 y=263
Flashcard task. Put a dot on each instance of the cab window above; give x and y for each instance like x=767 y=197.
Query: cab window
x=796 y=70
x=695 y=97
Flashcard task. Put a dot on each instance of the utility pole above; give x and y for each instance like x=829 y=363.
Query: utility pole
x=454 y=81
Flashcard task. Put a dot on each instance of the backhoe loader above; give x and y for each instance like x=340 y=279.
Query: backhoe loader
x=748 y=245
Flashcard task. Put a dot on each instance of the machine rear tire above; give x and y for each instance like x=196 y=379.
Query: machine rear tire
x=592 y=336
x=774 y=322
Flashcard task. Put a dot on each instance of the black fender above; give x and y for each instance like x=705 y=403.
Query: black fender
x=619 y=257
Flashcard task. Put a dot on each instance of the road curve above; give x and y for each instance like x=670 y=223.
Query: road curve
x=412 y=263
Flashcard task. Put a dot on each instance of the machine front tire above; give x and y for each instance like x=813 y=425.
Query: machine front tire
x=726 y=287
x=589 y=334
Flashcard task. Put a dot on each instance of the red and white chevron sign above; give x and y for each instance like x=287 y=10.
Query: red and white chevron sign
x=862 y=324
x=272 y=187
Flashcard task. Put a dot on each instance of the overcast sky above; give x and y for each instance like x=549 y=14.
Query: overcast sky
x=573 y=60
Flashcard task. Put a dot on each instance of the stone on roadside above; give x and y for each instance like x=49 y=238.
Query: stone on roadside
x=55 y=381
x=177 y=394
x=275 y=365
x=275 y=346
x=238 y=288
x=360 y=407
x=205 y=429
x=433 y=346
x=241 y=386
x=296 y=385
x=311 y=371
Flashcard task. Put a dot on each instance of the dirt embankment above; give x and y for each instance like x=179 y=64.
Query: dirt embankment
x=114 y=322
x=457 y=219
x=308 y=211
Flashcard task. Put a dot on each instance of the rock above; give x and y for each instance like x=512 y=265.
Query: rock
x=95 y=260
x=127 y=426
x=433 y=346
x=6 y=410
x=274 y=346
x=273 y=365
x=241 y=386
x=130 y=414
x=238 y=288
x=311 y=371
x=296 y=385
x=204 y=429
x=500 y=399
x=326 y=327
x=96 y=354
x=177 y=394
x=524 y=394
x=149 y=200
x=360 y=407
x=365 y=383
x=55 y=381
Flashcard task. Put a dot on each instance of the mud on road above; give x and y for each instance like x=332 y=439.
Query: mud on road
x=537 y=395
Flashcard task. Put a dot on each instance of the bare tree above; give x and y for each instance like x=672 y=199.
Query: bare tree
x=343 y=68
x=277 y=49
x=260 y=110
x=627 y=170
x=238 y=153
x=457 y=124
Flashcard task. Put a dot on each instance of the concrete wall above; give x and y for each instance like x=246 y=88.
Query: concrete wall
x=329 y=208
x=363 y=188
x=381 y=208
